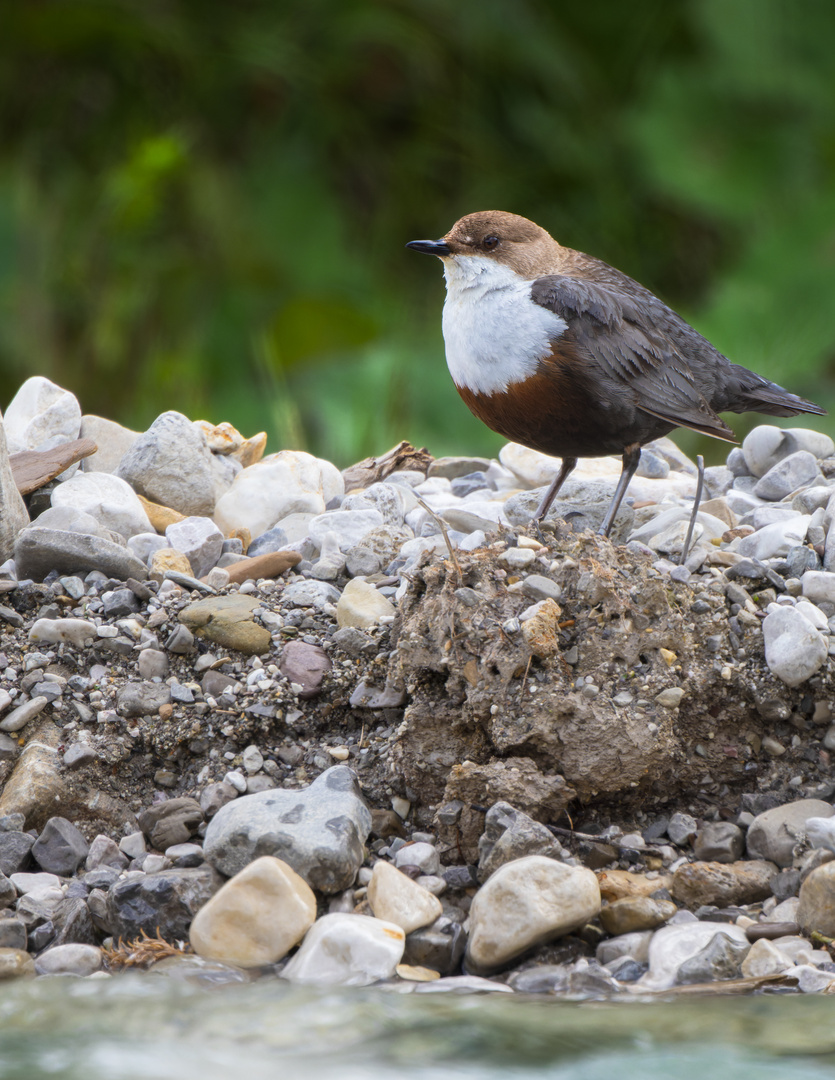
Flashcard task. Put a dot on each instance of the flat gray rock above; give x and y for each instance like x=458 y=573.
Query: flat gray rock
x=583 y=504
x=318 y=831
x=773 y=834
x=39 y=550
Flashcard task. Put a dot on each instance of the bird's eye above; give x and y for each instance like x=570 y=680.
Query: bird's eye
x=490 y=242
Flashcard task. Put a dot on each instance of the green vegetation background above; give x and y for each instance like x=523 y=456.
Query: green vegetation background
x=203 y=203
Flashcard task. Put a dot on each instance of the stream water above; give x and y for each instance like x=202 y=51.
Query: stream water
x=137 y=1028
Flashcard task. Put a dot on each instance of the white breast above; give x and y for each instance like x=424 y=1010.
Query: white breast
x=495 y=334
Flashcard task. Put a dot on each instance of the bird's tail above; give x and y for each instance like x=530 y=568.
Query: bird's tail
x=756 y=394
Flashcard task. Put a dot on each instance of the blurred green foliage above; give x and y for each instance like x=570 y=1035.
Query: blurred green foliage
x=203 y=206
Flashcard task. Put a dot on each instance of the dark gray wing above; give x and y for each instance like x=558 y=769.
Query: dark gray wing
x=632 y=340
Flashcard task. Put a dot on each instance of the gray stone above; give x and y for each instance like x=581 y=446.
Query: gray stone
x=439 y=947
x=12 y=934
x=354 y=642
x=213 y=796
x=318 y=831
x=373 y=553
x=142 y=698
x=20 y=717
x=793 y=472
x=38 y=551
x=105 y=852
x=120 y=603
x=681 y=829
x=69 y=959
x=719 y=841
x=113 y=442
x=153 y=663
x=581 y=503
x=367 y=696
x=13 y=513
x=171 y=464
x=307 y=593
x=775 y=540
x=772 y=835
x=794 y=649
x=719 y=959
x=510 y=834
x=79 y=754
x=163 y=903
x=15 y=850
x=199 y=539
x=60 y=848
x=171 y=822
x=539 y=587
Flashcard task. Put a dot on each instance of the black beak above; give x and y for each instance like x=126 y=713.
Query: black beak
x=431 y=247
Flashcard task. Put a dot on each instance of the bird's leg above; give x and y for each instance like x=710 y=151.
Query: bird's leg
x=631 y=457
x=568 y=464
x=700 y=464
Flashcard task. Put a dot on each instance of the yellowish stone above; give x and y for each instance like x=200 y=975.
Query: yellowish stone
x=256 y=917
x=398 y=899
x=168 y=559
x=362 y=605
x=160 y=516
x=416 y=974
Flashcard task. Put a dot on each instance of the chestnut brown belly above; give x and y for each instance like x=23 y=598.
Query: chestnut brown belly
x=560 y=417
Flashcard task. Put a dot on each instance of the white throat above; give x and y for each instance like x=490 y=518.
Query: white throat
x=495 y=334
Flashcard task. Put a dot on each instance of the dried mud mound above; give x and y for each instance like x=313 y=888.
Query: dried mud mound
x=628 y=685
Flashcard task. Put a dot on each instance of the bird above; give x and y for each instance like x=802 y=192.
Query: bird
x=559 y=351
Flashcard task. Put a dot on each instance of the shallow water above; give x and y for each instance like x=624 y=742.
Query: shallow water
x=129 y=1028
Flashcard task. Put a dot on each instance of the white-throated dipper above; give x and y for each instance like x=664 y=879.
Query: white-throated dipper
x=562 y=353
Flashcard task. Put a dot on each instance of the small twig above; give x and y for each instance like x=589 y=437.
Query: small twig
x=442 y=526
x=700 y=465
x=525 y=676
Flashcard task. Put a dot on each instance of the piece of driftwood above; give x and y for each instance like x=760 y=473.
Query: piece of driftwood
x=373 y=469
x=32 y=469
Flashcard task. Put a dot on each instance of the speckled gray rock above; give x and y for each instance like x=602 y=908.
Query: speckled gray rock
x=166 y=901
x=171 y=822
x=318 y=831
x=170 y=464
x=39 y=550
x=719 y=959
x=773 y=834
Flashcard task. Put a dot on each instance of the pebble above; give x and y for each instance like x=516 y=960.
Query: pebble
x=71 y=959
x=268 y=492
x=171 y=464
x=18 y=718
x=526 y=903
x=292 y=825
x=347 y=950
x=773 y=834
x=816 y=910
x=199 y=540
x=256 y=917
x=107 y=498
x=398 y=899
x=227 y=621
x=794 y=649
x=39 y=550
x=362 y=605
x=673 y=946
x=41 y=415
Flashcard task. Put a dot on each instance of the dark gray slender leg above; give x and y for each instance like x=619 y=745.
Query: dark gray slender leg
x=568 y=464
x=700 y=464
x=631 y=457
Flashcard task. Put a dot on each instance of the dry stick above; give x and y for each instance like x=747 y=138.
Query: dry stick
x=700 y=465
x=445 y=534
